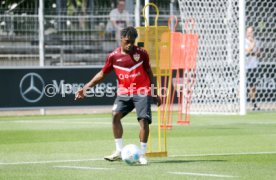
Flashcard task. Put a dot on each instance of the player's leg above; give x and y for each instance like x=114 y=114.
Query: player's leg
x=117 y=131
x=122 y=106
x=144 y=134
x=117 y=125
x=252 y=91
x=143 y=110
x=144 y=130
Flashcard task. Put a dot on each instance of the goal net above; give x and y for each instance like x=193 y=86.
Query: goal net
x=217 y=73
x=217 y=88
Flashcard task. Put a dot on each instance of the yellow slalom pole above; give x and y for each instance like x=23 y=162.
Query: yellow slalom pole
x=151 y=43
x=156 y=17
x=157 y=65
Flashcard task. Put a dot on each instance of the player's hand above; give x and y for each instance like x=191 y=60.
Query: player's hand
x=157 y=100
x=79 y=94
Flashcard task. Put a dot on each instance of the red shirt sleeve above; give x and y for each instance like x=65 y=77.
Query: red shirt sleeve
x=108 y=65
x=146 y=63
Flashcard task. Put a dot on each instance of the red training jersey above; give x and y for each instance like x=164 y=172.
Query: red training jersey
x=130 y=69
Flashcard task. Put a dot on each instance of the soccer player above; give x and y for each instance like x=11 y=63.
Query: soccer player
x=252 y=52
x=134 y=74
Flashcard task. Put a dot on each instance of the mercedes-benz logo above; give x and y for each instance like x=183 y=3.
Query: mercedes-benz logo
x=32 y=87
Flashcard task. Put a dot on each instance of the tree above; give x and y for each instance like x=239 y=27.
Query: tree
x=30 y=5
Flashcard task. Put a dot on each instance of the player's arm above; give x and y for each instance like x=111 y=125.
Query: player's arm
x=80 y=94
x=253 y=49
x=258 y=51
x=147 y=68
x=248 y=51
x=156 y=98
x=250 y=48
x=114 y=24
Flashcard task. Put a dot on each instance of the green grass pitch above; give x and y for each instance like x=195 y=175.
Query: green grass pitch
x=73 y=146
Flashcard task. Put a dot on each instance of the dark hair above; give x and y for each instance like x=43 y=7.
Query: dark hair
x=129 y=32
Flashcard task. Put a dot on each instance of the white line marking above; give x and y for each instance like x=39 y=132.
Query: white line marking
x=62 y=119
x=262 y=123
x=128 y=69
x=82 y=167
x=202 y=174
x=48 y=162
x=101 y=159
x=65 y=122
x=223 y=154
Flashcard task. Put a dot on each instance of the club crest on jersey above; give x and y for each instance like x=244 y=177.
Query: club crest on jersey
x=136 y=57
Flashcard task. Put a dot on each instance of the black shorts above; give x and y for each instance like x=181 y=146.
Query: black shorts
x=251 y=77
x=126 y=104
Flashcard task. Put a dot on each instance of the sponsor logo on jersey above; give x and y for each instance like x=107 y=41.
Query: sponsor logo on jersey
x=136 y=57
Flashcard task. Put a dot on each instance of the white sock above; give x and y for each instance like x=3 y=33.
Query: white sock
x=119 y=144
x=143 y=148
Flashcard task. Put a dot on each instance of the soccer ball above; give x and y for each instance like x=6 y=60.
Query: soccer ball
x=130 y=154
